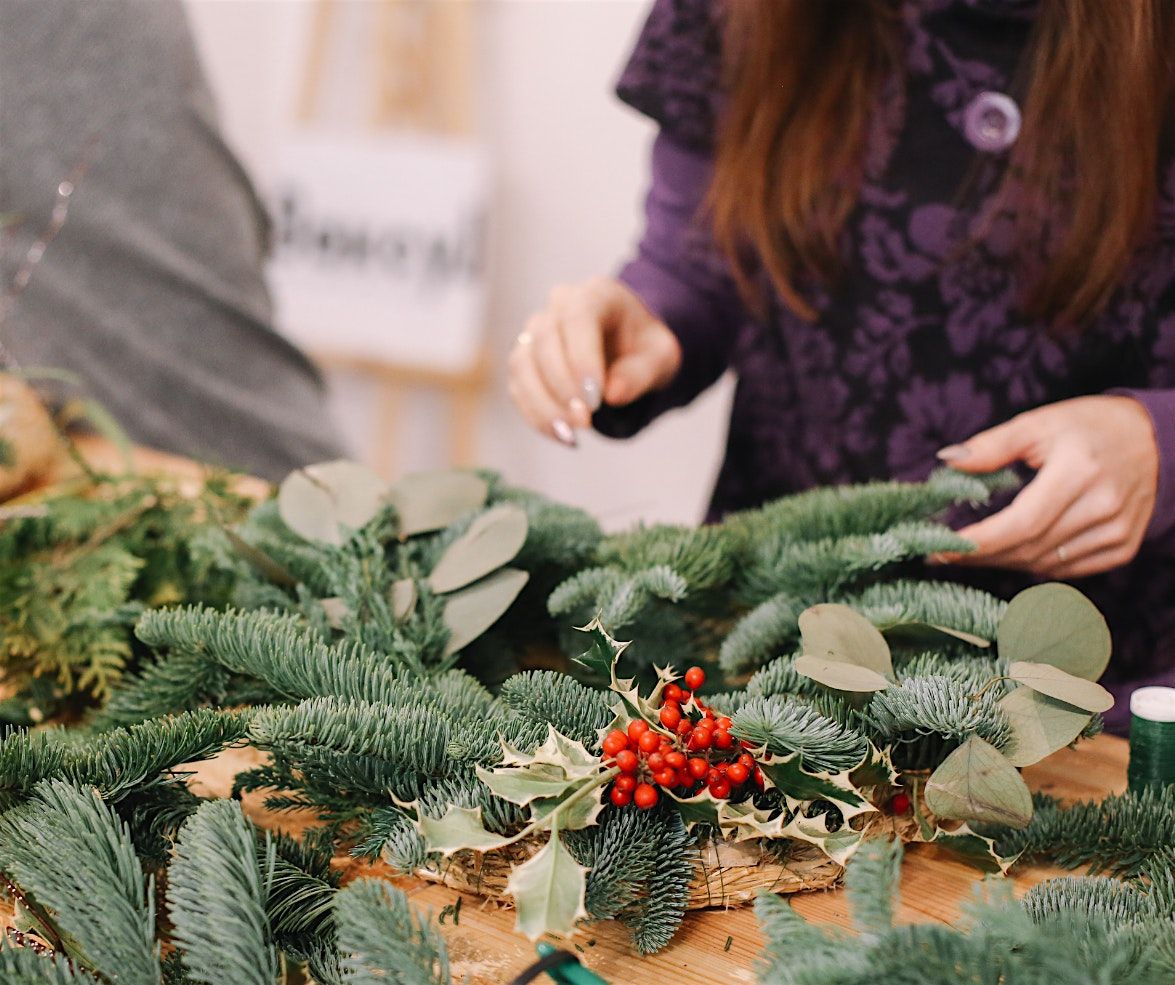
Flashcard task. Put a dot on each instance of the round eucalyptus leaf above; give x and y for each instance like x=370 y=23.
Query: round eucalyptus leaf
x=1055 y=624
x=838 y=675
x=492 y=540
x=1061 y=685
x=470 y=611
x=336 y=611
x=403 y=598
x=430 y=501
x=838 y=633
x=1040 y=725
x=976 y=782
x=323 y=502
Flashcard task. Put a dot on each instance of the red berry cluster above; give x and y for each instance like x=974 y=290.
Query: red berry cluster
x=695 y=750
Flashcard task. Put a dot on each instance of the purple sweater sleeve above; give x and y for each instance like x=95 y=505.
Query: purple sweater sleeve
x=683 y=280
x=1160 y=404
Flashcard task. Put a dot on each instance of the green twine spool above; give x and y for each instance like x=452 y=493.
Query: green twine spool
x=1152 y=738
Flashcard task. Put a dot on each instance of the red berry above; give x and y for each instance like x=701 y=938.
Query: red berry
x=670 y=715
x=713 y=775
x=620 y=797
x=627 y=761
x=649 y=741
x=625 y=782
x=695 y=677
x=672 y=693
x=900 y=803
x=684 y=727
x=656 y=761
x=666 y=777
x=636 y=728
x=697 y=767
x=684 y=779
x=747 y=760
x=646 y=796
x=675 y=759
x=721 y=789
x=757 y=776
x=614 y=741
x=724 y=723
x=723 y=739
x=737 y=774
x=699 y=739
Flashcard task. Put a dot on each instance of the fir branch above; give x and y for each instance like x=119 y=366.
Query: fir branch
x=384 y=941
x=547 y=697
x=937 y=603
x=224 y=934
x=22 y=966
x=667 y=887
x=762 y=634
x=788 y=726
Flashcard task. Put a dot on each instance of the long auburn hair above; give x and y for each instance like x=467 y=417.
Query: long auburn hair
x=802 y=79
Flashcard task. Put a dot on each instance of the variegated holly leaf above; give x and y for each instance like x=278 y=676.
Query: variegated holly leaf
x=839 y=675
x=838 y=633
x=701 y=808
x=325 y=502
x=602 y=653
x=521 y=785
x=578 y=808
x=1056 y=683
x=1040 y=725
x=974 y=849
x=743 y=821
x=568 y=755
x=428 y=501
x=839 y=845
x=470 y=611
x=796 y=783
x=459 y=829
x=976 y=782
x=876 y=769
x=549 y=891
x=1055 y=624
x=492 y=540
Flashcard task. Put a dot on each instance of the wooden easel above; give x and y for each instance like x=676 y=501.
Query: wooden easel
x=424 y=82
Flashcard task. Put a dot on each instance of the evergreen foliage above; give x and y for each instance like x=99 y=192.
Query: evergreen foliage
x=385 y=941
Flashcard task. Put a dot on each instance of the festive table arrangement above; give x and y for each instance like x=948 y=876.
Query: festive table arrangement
x=463 y=681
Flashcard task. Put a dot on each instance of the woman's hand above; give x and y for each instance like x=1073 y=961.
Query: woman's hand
x=593 y=342
x=1088 y=506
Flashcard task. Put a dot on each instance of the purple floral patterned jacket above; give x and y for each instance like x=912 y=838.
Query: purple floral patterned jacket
x=920 y=345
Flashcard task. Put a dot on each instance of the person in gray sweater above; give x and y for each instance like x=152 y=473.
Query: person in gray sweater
x=152 y=289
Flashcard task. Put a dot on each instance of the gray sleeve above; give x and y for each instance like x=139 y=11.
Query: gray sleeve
x=153 y=290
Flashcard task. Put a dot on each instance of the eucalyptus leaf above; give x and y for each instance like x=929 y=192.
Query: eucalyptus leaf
x=836 y=632
x=323 y=502
x=931 y=632
x=470 y=611
x=1055 y=624
x=492 y=540
x=841 y=676
x=261 y=561
x=1056 y=683
x=459 y=829
x=548 y=891
x=977 y=782
x=1040 y=725
x=429 y=501
x=403 y=598
x=336 y=611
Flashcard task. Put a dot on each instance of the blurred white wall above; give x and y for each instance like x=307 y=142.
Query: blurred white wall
x=570 y=170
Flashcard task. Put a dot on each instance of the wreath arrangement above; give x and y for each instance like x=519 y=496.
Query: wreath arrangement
x=372 y=639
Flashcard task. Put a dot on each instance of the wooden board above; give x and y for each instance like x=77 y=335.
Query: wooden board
x=485 y=948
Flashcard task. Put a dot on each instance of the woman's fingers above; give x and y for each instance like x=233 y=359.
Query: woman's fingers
x=529 y=391
x=554 y=367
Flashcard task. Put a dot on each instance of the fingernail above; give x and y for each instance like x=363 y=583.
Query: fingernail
x=591 y=393
x=952 y=453
x=563 y=432
x=579 y=411
x=936 y=559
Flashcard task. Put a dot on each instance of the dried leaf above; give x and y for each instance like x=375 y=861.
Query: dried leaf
x=836 y=632
x=492 y=540
x=976 y=782
x=1040 y=725
x=1063 y=686
x=323 y=502
x=1055 y=624
x=430 y=501
x=838 y=675
x=549 y=891
x=470 y=611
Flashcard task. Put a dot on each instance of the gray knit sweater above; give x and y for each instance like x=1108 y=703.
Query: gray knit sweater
x=153 y=289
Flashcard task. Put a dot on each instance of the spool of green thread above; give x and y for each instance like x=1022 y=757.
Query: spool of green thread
x=1152 y=738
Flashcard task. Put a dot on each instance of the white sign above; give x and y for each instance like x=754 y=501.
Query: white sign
x=379 y=247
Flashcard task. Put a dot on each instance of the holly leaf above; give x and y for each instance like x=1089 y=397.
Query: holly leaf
x=788 y=774
x=492 y=540
x=549 y=891
x=1055 y=624
x=1056 y=683
x=976 y=782
x=429 y=501
x=1040 y=725
x=838 y=675
x=701 y=808
x=521 y=785
x=459 y=829
x=974 y=849
x=559 y=751
x=741 y=822
x=324 y=502
x=572 y=812
x=875 y=770
x=839 y=845
x=837 y=633
x=470 y=611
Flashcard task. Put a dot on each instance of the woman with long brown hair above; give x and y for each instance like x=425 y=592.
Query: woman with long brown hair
x=918 y=231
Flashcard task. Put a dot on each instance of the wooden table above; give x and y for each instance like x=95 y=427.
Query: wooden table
x=485 y=948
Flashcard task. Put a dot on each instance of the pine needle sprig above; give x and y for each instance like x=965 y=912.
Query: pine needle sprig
x=382 y=939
